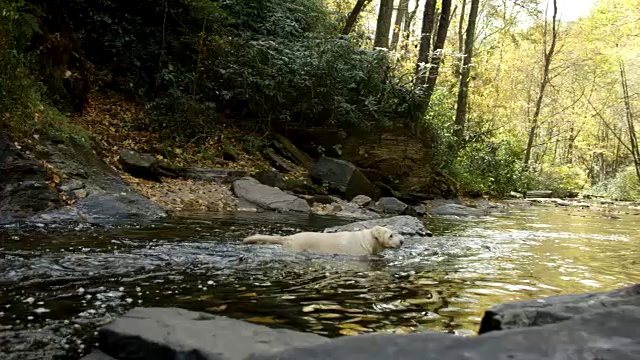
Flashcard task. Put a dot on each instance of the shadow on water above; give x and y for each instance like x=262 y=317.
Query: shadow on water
x=66 y=282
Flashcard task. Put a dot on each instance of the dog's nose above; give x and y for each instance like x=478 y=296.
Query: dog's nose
x=401 y=242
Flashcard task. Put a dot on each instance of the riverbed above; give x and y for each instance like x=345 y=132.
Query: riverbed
x=59 y=283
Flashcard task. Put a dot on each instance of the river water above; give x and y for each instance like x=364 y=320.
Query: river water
x=59 y=284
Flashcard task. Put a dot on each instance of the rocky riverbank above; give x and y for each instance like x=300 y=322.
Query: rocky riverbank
x=581 y=326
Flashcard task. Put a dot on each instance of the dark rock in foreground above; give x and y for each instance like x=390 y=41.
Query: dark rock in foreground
x=404 y=225
x=608 y=334
x=556 y=309
x=600 y=326
x=171 y=333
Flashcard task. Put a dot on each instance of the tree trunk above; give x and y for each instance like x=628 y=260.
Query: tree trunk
x=463 y=90
x=401 y=14
x=633 y=137
x=353 y=16
x=543 y=84
x=408 y=23
x=425 y=40
x=383 y=26
x=438 y=46
x=461 y=27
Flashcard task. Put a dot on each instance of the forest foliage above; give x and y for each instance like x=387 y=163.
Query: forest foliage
x=261 y=64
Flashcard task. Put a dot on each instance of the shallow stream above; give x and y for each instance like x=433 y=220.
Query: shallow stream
x=58 y=285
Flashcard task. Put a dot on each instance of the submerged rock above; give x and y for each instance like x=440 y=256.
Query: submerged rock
x=405 y=225
x=267 y=197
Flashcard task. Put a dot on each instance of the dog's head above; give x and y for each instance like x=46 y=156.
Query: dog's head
x=386 y=238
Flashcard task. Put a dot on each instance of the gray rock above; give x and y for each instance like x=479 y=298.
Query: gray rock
x=344 y=177
x=138 y=164
x=244 y=205
x=71 y=184
x=211 y=175
x=610 y=334
x=104 y=207
x=390 y=205
x=101 y=194
x=539 y=194
x=408 y=226
x=267 y=197
x=556 y=308
x=270 y=178
x=361 y=200
x=515 y=195
x=421 y=210
x=171 y=333
x=456 y=210
x=98 y=355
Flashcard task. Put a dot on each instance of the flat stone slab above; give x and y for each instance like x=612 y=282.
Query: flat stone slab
x=611 y=334
x=267 y=197
x=556 y=309
x=405 y=225
x=457 y=210
x=172 y=333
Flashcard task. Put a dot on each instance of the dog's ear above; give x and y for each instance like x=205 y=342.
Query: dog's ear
x=378 y=233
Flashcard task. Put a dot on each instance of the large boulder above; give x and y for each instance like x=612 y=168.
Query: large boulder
x=611 y=334
x=58 y=181
x=401 y=155
x=390 y=205
x=171 y=333
x=405 y=225
x=267 y=197
x=344 y=177
x=556 y=309
x=270 y=178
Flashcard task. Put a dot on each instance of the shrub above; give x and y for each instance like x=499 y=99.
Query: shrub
x=624 y=186
x=490 y=167
x=25 y=112
x=562 y=179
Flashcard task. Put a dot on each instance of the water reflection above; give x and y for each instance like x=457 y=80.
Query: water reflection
x=71 y=281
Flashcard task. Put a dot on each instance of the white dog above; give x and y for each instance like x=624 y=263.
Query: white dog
x=356 y=243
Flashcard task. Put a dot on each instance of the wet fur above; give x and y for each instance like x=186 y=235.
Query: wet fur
x=363 y=242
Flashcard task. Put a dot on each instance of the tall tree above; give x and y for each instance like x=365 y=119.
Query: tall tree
x=633 y=137
x=353 y=16
x=408 y=24
x=425 y=40
x=438 y=48
x=398 y=28
x=548 y=57
x=463 y=89
x=383 y=25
